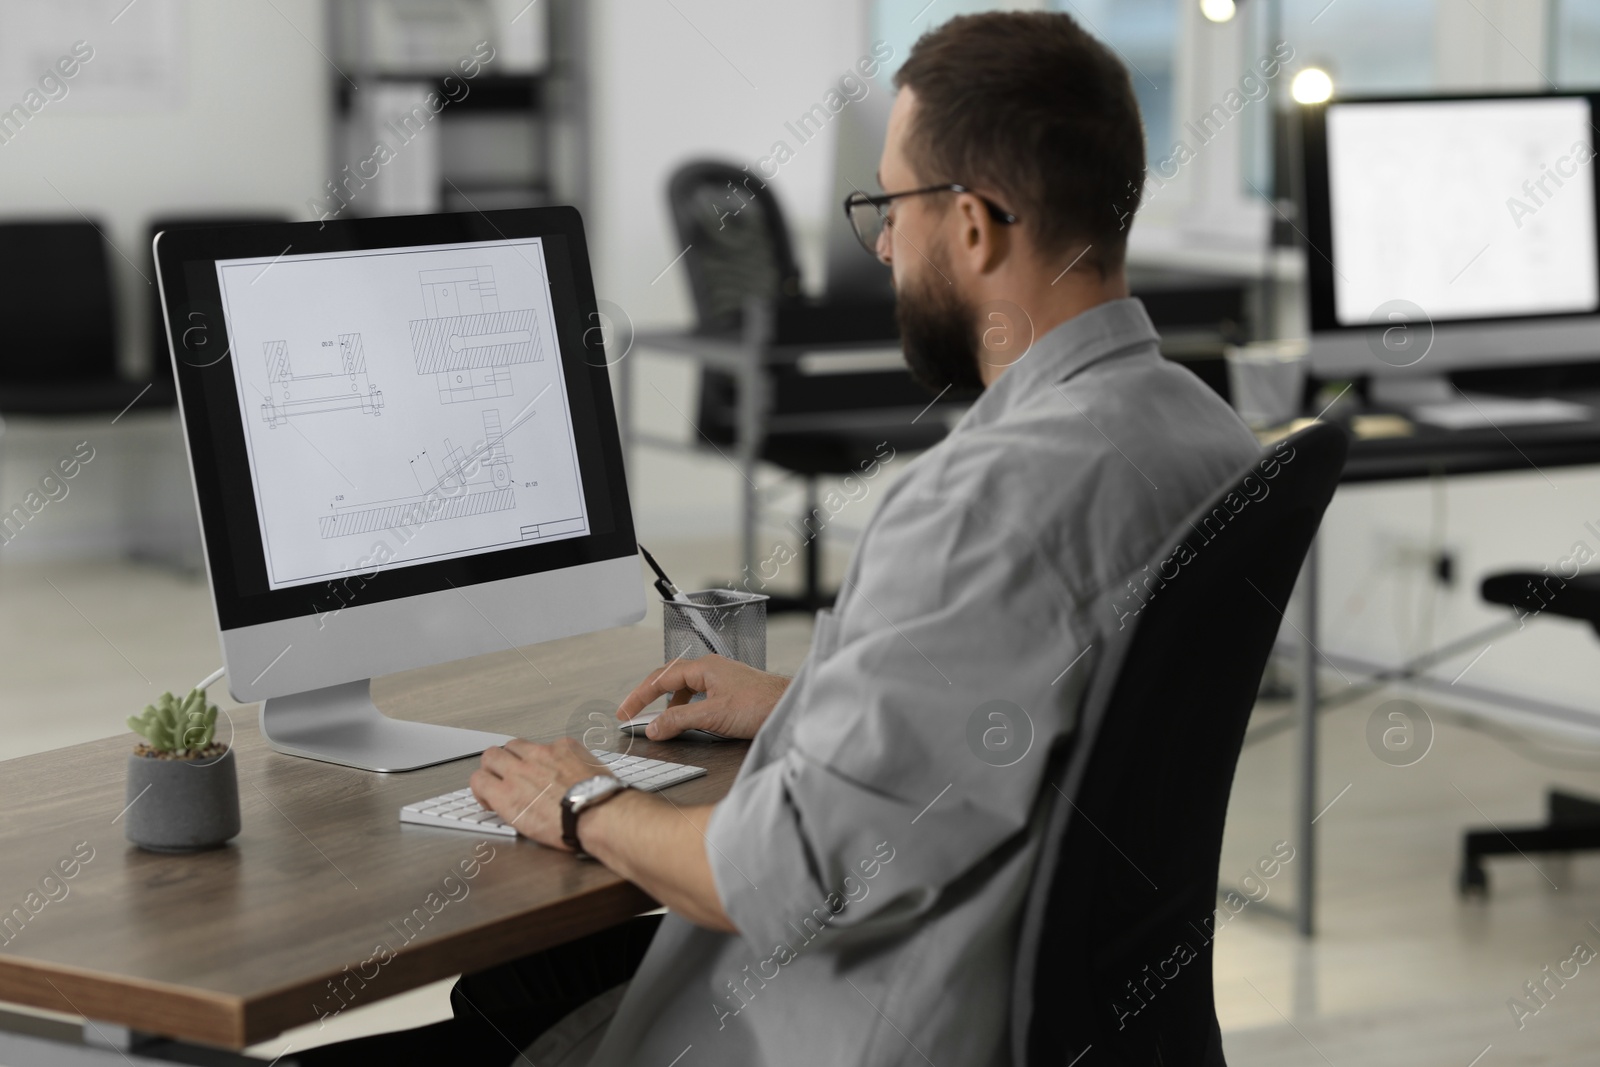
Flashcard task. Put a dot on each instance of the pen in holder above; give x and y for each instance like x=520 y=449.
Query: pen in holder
x=727 y=622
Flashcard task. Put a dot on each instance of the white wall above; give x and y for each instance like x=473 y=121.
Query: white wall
x=1376 y=586
x=717 y=80
x=249 y=130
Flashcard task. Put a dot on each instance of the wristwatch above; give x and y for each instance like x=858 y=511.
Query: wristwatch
x=589 y=793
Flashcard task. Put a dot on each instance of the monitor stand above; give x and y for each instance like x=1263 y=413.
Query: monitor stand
x=341 y=724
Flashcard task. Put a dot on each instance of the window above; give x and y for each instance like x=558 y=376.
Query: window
x=1143 y=32
x=1575 y=43
x=1339 y=38
x=901 y=22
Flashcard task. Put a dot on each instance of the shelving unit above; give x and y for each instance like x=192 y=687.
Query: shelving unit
x=514 y=135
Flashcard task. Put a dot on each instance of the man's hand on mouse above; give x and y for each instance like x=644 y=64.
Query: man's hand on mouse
x=523 y=783
x=738 y=698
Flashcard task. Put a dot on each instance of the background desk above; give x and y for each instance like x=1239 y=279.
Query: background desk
x=1427 y=453
x=232 y=946
x=809 y=372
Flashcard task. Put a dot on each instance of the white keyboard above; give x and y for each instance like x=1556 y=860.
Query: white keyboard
x=461 y=811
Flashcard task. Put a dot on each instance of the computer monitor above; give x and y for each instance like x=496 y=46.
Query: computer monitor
x=1451 y=232
x=404 y=452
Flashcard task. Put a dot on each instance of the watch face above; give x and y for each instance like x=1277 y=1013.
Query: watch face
x=590 y=788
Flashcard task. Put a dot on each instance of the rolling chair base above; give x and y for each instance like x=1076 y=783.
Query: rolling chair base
x=1573 y=825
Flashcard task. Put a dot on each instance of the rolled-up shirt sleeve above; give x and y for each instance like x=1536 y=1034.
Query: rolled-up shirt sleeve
x=920 y=741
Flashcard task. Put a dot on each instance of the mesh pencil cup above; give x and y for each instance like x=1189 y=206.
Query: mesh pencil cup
x=733 y=620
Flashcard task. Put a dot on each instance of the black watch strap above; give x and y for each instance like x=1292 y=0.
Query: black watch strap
x=570 y=816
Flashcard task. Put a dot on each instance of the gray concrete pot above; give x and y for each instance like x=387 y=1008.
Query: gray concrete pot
x=182 y=805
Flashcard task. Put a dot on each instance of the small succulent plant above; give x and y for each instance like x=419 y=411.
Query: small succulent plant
x=177 y=727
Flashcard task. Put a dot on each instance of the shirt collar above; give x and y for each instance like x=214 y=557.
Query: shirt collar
x=1113 y=328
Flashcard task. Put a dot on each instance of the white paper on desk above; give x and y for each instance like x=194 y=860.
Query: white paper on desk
x=1468 y=414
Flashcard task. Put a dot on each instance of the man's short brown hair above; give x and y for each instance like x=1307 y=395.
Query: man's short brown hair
x=1029 y=107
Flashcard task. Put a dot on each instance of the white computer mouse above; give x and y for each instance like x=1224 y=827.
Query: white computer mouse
x=637 y=724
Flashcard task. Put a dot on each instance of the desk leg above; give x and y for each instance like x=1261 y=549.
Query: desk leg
x=749 y=451
x=625 y=411
x=752 y=411
x=1306 y=713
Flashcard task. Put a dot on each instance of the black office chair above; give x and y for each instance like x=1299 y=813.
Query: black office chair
x=1572 y=822
x=163 y=388
x=738 y=248
x=1136 y=872
x=60 y=350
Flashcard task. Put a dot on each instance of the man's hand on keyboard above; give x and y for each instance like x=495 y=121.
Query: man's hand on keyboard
x=738 y=698
x=524 y=782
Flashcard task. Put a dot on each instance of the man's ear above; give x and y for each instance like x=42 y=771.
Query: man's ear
x=981 y=239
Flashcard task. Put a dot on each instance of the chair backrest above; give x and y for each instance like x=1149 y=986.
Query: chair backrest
x=60 y=313
x=1115 y=948
x=737 y=240
x=160 y=372
x=738 y=249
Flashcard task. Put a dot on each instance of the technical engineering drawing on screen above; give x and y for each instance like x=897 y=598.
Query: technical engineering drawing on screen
x=401 y=405
x=1466 y=208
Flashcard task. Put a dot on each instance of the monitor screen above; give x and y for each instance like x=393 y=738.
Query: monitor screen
x=381 y=409
x=414 y=393
x=1467 y=209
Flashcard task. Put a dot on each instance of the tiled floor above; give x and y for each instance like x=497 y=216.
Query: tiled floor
x=1401 y=972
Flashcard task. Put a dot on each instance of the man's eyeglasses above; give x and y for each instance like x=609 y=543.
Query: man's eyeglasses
x=869 y=215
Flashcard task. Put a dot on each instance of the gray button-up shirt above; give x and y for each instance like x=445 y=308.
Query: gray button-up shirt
x=879 y=839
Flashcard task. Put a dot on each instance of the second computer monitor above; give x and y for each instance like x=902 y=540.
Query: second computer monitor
x=1450 y=232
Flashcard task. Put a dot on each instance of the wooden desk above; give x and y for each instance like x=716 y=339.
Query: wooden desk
x=232 y=946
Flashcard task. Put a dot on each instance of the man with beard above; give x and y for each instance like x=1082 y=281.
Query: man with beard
x=855 y=897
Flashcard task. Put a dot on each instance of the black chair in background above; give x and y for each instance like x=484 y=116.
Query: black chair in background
x=1572 y=822
x=59 y=356
x=745 y=249
x=816 y=424
x=1136 y=871
x=163 y=389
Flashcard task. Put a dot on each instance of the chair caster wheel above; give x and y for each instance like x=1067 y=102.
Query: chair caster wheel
x=1473 y=881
